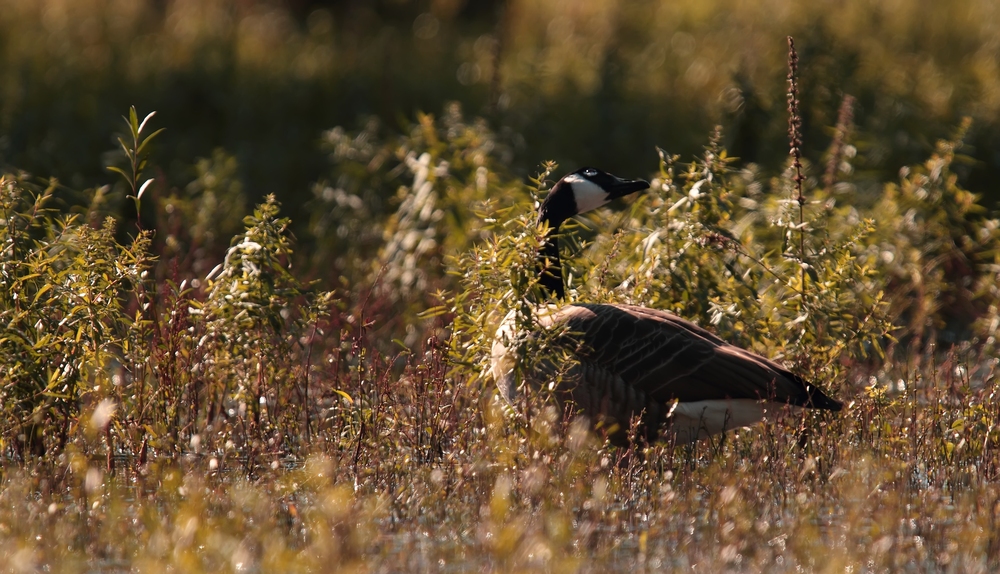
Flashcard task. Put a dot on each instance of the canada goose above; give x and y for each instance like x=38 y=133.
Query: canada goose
x=684 y=382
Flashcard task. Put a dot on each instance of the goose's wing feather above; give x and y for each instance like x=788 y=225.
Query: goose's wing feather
x=668 y=358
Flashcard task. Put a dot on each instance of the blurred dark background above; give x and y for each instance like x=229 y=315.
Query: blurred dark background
x=600 y=82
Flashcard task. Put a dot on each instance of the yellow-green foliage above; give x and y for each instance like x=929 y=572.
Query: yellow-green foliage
x=68 y=325
x=255 y=316
x=401 y=204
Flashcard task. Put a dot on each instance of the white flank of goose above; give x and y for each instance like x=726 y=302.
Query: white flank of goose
x=682 y=381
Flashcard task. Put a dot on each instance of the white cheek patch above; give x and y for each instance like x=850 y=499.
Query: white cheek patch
x=588 y=195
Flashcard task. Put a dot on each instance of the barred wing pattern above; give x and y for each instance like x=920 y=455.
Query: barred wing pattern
x=640 y=361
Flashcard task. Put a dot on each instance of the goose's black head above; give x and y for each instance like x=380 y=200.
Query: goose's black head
x=583 y=190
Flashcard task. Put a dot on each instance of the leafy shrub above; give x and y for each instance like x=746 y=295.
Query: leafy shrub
x=936 y=239
x=258 y=323
x=399 y=205
x=72 y=331
x=81 y=328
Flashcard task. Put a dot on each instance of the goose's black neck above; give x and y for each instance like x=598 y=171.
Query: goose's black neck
x=550 y=266
x=559 y=206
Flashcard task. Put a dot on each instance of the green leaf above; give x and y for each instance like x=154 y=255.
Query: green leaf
x=142 y=146
x=133 y=119
x=40 y=343
x=433 y=312
x=128 y=150
x=346 y=396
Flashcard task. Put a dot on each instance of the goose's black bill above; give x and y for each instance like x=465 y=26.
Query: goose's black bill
x=619 y=187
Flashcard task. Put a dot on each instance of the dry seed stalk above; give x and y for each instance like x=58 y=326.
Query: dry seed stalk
x=795 y=145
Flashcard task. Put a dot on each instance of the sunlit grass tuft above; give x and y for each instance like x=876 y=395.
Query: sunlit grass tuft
x=903 y=480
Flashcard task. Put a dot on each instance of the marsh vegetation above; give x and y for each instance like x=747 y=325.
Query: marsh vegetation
x=202 y=369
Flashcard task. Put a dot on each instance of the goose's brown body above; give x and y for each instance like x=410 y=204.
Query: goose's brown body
x=681 y=380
